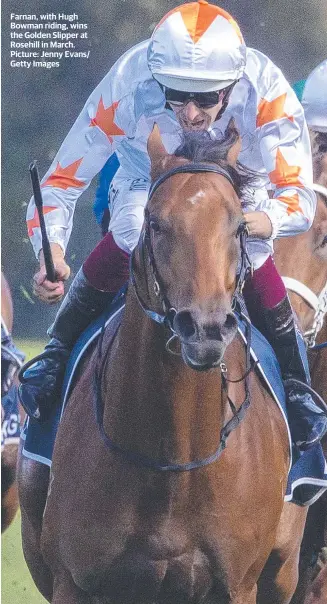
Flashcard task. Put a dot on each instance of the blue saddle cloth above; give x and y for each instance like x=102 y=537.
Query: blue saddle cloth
x=308 y=470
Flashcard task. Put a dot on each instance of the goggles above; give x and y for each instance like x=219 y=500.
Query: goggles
x=204 y=100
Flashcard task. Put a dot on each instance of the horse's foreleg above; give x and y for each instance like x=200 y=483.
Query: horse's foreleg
x=33 y=480
x=9 y=506
x=66 y=592
x=315 y=537
x=279 y=578
x=9 y=492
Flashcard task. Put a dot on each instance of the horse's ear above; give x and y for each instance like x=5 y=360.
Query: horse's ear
x=234 y=151
x=156 y=149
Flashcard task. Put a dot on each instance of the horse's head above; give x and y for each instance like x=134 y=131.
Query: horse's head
x=192 y=223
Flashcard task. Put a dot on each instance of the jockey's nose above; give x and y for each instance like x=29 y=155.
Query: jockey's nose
x=191 y=111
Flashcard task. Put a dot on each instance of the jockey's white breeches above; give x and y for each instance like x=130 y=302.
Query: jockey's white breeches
x=127 y=199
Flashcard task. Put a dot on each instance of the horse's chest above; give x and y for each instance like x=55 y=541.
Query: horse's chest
x=136 y=577
x=172 y=564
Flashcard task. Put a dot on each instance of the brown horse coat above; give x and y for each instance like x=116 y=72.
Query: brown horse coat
x=312 y=272
x=114 y=531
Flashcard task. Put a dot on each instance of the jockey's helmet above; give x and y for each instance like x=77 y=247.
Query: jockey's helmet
x=197 y=47
x=314 y=98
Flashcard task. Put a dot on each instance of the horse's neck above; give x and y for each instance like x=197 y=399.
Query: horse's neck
x=155 y=404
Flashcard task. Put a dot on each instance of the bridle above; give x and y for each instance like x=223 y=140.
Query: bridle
x=169 y=312
x=166 y=318
x=317 y=302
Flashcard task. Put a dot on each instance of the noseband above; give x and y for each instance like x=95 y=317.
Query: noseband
x=169 y=311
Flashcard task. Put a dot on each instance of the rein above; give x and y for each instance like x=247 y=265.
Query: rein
x=320 y=189
x=166 y=319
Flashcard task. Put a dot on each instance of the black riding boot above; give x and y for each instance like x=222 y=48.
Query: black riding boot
x=41 y=379
x=308 y=422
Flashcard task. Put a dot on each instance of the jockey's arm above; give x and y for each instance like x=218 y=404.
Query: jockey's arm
x=82 y=155
x=285 y=148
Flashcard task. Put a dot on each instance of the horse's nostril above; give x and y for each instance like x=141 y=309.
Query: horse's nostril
x=183 y=324
x=190 y=326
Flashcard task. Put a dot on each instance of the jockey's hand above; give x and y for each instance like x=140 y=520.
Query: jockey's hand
x=45 y=290
x=258 y=224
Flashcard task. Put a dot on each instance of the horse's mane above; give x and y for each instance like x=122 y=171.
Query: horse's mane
x=200 y=147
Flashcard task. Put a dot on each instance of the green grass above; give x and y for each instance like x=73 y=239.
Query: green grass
x=30 y=347
x=17 y=586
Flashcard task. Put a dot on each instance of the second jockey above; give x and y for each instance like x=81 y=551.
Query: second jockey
x=195 y=73
x=314 y=98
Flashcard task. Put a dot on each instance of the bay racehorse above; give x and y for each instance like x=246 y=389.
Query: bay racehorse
x=302 y=260
x=10 y=362
x=145 y=505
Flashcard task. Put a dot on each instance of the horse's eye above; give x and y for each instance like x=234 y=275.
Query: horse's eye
x=154 y=225
x=324 y=241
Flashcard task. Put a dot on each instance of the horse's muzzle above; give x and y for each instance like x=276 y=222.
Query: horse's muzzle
x=204 y=336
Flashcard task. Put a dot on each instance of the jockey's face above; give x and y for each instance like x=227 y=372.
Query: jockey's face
x=197 y=110
x=193 y=117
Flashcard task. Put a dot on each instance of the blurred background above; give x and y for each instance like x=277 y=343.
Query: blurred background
x=40 y=105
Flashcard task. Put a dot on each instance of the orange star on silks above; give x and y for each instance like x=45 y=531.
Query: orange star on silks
x=197 y=22
x=270 y=111
x=63 y=178
x=292 y=202
x=34 y=222
x=284 y=175
x=104 y=118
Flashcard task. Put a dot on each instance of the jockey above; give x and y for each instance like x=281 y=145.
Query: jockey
x=313 y=95
x=195 y=73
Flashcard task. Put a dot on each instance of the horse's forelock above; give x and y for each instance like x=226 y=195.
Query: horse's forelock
x=200 y=147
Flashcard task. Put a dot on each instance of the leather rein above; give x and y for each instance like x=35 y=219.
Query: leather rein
x=165 y=318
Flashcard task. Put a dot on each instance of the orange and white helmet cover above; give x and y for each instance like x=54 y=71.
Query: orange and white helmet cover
x=197 y=47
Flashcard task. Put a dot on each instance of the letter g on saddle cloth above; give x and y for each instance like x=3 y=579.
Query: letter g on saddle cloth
x=167 y=319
